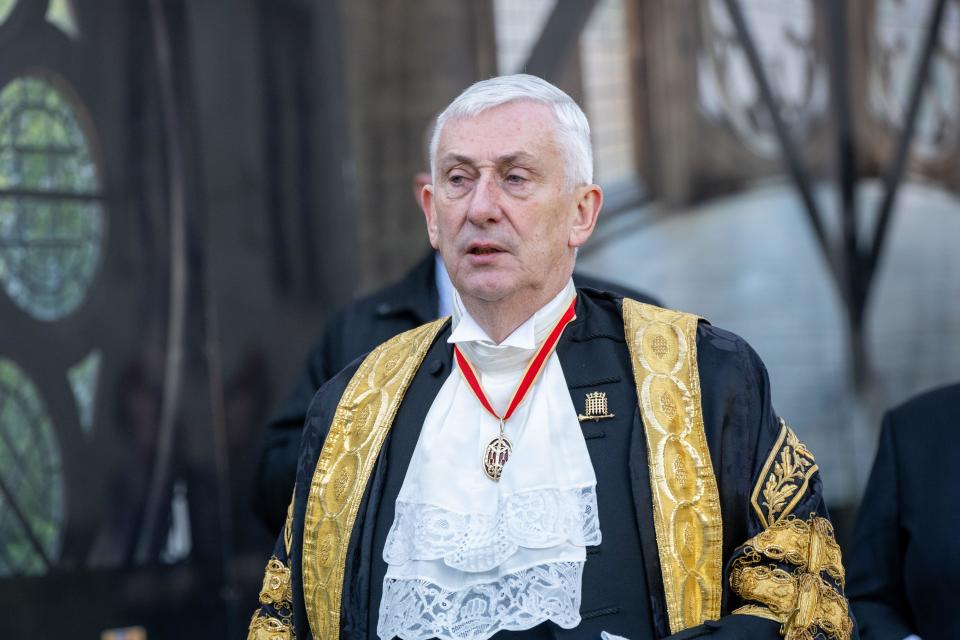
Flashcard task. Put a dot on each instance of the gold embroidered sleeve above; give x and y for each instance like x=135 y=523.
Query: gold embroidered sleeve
x=273 y=620
x=792 y=572
x=808 y=545
x=266 y=628
x=806 y=605
x=784 y=478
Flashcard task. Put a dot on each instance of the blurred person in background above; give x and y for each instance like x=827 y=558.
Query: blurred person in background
x=904 y=579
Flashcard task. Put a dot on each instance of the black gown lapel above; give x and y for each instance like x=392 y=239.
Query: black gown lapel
x=623 y=571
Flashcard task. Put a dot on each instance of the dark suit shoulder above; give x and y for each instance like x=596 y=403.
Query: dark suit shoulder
x=383 y=301
x=936 y=412
x=923 y=435
x=368 y=309
x=599 y=314
x=722 y=353
x=735 y=394
x=600 y=285
x=377 y=316
x=608 y=298
x=414 y=293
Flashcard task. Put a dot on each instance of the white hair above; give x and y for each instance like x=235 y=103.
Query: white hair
x=573 y=130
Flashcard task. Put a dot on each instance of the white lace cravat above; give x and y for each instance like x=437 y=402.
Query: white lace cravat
x=468 y=557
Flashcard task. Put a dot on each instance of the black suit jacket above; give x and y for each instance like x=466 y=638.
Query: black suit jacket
x=904 y=567
x=352 y=332
x=622 y=584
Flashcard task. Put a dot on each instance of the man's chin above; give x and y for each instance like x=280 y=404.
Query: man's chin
x=488 y=288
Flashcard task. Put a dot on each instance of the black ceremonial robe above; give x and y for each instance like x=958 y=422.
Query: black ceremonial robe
x=775 y=566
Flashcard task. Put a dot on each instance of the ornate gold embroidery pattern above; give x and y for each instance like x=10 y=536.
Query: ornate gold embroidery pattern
x=686 y=502
x=276 y=593
x=784 y=477
x=807 y=544
x=802 y=600
x=288 y=525
x=276 y=585
x=266 y=628
x=361 y=422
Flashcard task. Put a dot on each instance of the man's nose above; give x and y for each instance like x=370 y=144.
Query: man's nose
x=485 y=201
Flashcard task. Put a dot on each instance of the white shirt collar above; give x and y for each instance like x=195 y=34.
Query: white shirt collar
x=527 y=336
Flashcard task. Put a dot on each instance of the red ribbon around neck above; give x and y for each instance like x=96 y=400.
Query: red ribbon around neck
x=529 y=376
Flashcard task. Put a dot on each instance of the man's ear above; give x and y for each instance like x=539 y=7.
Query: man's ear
x=589 y=202
x=430 y=215
x=420 y=179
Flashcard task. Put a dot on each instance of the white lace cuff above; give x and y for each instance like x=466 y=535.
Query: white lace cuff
x=471 y=542
x=416 y=609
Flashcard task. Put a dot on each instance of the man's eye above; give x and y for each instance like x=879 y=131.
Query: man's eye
x=514 y=178
x=457 y=179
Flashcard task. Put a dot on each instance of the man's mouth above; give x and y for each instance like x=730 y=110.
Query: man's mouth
x=483 y=251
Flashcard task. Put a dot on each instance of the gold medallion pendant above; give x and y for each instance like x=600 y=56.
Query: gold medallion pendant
x=495 y=456
x=498 y=451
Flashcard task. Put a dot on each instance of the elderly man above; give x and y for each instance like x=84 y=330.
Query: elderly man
x=553 y=462
x=423 y=294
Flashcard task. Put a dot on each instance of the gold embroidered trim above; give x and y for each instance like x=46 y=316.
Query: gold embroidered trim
x=277 y=593
x=276 y=585
x=784 y=477
x=805 y=602
x=288 y=525
x=686 y=502
x=266 y=628
x=807 y=544
x=361 y=423
x=758 y=611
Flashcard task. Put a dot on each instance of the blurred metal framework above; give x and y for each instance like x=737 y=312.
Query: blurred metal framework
x=559 y=37
x=852 y=265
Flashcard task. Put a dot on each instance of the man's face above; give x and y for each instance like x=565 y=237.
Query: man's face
x=501 y=211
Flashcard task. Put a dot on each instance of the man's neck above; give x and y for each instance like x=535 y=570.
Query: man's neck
x=500 y=318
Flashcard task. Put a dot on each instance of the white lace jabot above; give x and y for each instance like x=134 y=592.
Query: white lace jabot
x=468 y=557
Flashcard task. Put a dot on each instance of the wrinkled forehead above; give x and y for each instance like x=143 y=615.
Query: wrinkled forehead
x=527 y=127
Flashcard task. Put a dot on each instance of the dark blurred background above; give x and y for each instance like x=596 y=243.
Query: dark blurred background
x=189 y=188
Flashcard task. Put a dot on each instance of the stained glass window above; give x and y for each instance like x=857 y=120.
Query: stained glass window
x=31 y=478
x=51 y=214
